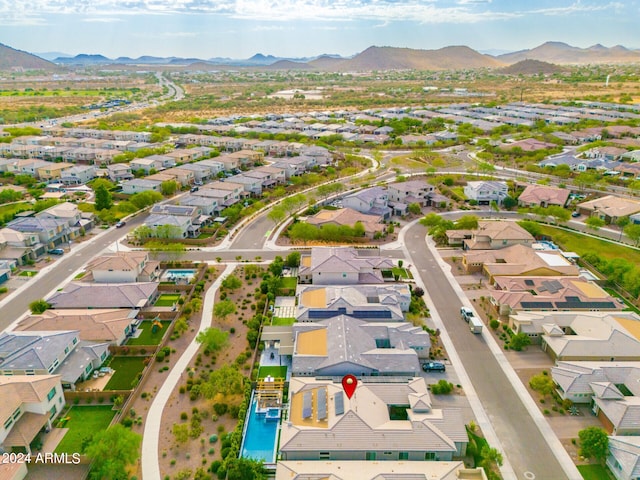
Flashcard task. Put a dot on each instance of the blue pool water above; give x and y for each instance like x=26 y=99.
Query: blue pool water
x=259 y=440
x=180 y=274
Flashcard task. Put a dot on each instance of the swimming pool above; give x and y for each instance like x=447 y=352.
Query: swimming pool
x=259 y=441
x=184 y=274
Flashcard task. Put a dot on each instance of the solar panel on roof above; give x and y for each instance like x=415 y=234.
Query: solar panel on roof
x=536 y=305
x=371 y=314
x=552 y=286
x=572 y=299
x=339 y=403
x=589 y=305
x=307 y=409
x=322 y=404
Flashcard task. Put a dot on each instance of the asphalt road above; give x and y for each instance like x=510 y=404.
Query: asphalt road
x=41 y=285
x=525 y=446
x=253 y=236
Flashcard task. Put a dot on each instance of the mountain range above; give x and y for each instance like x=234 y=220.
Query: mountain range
x=373 y=58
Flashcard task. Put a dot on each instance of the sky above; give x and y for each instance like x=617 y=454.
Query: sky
x=306 y=28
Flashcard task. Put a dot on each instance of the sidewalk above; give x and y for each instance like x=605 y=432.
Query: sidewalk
x=151 y=435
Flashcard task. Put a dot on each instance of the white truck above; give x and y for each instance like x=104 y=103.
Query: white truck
x=465 y=313
x=475 y=324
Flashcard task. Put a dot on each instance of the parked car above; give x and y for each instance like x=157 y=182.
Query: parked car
x=120 y=224
x=194 y=189
x=56 y=251
x=465 y=313
x=575 y=214
x=433 y=367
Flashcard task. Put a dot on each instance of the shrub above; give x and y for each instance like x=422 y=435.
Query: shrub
x=220 y=408
x=494 y=324
x=184 y=416
x=213 y=438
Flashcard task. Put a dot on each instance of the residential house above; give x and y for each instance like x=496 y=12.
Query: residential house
x=20 y=247
x=348 y=217
x=51 y=232
x=497 y=234
x=201 y=173
x=485 y=192
x=342 y=266
x=124 y=267
x=371 y=302
x=324 y=424
x=411 y=191
x=251 y=185
x=119 y=172
x=609 y=208
x=29 y=166
x=182 y=175
x=543 y=196
x=221 y=199
x=207 y=205
x=518 y=260
x=138 y=185
x=363 y=470
x=147 y=164
x=624 y=457
x=57 y=352
x=342 y=345
x=105 y=295
x=29 y=405
x=78 y=175
x=112 y=326
x=371 y=201
x=213 y=165
x=53 y=171
x=549 y=293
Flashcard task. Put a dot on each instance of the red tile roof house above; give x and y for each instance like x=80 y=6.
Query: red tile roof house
x=543 y=196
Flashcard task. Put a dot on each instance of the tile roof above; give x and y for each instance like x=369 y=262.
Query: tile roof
x=104 y=295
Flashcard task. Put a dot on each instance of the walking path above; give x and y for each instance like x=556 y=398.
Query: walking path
x=151 y=436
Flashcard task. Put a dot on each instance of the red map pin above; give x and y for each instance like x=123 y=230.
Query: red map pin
x=349 y=383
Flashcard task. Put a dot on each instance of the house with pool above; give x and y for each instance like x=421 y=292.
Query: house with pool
x=382 y=421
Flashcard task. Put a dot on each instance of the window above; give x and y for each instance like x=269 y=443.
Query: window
x=66 y=350
x=430 y=456
x=403 y=456
x=16 y=414
x=52 y=412
x=8 y=423
x=88 y=369
x=51 y=394
x=30 y=372
x=75 y=340
x=325 y=455
x=370 y=456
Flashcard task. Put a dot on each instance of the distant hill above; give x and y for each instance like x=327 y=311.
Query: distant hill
x=562 y=53
x=531 y=67
x=289 y=65
x=84 y=59
x=10 y=58
x=327 y=62
x=391 y=58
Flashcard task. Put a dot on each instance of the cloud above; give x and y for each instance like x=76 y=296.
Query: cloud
x=423 y=11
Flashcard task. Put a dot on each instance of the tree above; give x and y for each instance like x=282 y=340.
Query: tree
x=232 y=283
x=532 y=227
x=144 y=199
x=509 y=202
x=39 y=306
x=302 y=231
x=142 y=233
x=414 y=208
x=585 y=179
x=224 y=308
x=467 y=222
x=542 y=383
x=519 y=341
x=103 y=200
x=358 y=229
x=277 y=214
x=494 y=207
x=112 y=450
x=213 y=339
x=490 y=458
x=595 y=223
x=594 y=443
x=168 y=187
x=431 y=220
x=168 y=231
x=226 y=380
x=633 y=232
x=245 y=469
x=293 y=260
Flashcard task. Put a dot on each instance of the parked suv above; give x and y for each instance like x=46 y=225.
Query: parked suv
x=465 y=313
x=433 y=367
x=56 y=251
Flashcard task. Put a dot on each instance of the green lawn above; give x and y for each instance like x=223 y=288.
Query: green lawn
x=146 y=336
x=288 y=286
x=167 y=299
x=594 y=472
x=282 y=321
x=126 y=371
x=581 y=244
x=401 y=272
x=13 y=208
x=275 y=372
x=27 y=273
x=83 y=422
